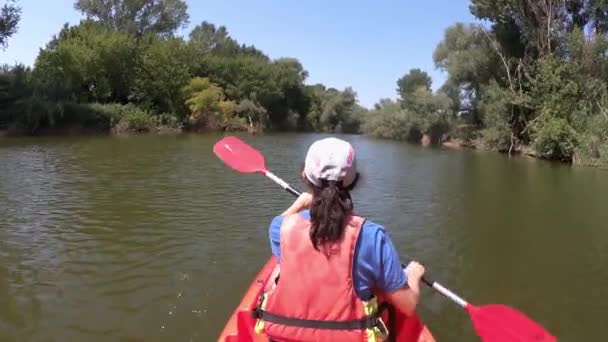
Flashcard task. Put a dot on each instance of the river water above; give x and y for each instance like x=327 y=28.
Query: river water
x=152 y=238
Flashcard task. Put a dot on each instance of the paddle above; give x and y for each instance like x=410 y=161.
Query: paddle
x=244 y=158
x=493 y=323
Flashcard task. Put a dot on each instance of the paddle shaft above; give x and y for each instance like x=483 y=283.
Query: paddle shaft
x=446 y=292
x=430 y=283
x=282 y=183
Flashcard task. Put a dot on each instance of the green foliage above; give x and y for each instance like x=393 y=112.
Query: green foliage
x=208 y=106
x=207 y=39
x=390 y=121
x=88 y=63
x=108 y=114
x=533 y=78
x=554 y=138
x=136 y=120
x=465 y=55
x=564 y=98
x=10 y=15
x=125 y=52
x=592 y=146
x=256 y=115
x=20 y=109
x=411 y=82
x=556 y=88
x=137 y=16
x=470 y=61
x=278 y=86
x=495 y=111
x=332 y=110
x=162 y=71
x=422 y=112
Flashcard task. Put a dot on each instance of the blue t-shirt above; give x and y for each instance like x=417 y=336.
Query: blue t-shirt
x=377 y=264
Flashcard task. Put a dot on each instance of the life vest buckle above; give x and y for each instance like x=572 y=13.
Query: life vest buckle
x=382 y=327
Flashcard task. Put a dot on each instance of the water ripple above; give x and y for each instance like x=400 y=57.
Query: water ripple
x=153 y=238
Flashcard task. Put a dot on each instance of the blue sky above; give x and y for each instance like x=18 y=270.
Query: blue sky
x=364 y=44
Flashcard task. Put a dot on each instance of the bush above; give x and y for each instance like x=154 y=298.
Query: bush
x=592 y=149
x=136 y=120
x=390 y=121
x=496 y=138
x=108 y=114
x=554 y=138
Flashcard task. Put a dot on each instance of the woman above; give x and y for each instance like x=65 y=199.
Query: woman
x=332 y=262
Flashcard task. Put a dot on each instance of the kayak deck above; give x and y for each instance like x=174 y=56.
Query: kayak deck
x=239 y=327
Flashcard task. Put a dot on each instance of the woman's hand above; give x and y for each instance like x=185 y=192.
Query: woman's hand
x=406 y=299
x=414 y=272
x=304 y=201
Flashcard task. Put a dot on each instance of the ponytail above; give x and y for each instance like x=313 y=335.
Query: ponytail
x=330 y=208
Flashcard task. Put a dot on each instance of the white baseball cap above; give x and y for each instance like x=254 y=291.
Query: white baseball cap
x=330 y=159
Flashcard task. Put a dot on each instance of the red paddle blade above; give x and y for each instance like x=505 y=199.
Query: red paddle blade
x=499 y=323
x=238 y=155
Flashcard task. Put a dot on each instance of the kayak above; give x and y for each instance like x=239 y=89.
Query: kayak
x=240 y=326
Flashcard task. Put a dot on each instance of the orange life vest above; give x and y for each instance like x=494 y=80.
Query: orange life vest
x=314 y=299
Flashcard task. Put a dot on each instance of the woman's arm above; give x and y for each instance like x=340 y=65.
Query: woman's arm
x=406 y=298
x=301 y=203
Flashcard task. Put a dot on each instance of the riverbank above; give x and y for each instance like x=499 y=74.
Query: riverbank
x=74 y=130
x=425 y=141
x=522 y=151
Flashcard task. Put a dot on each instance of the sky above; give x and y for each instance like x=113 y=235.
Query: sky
x=364 y=44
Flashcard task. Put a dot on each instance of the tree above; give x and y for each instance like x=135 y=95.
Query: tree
x=137 y=16
x=534 y=24
x=10 y=15
x=163 y=69
x=411 y=81
x=256 y=115
x=471 y=62
x=209 y=39
x=332 y=110
x=88 y=63
x=208 y=106
x=389 y=120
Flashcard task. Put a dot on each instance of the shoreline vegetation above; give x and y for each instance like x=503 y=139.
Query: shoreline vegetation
x=530 y=78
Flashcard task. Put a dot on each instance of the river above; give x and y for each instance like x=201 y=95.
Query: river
x=152 y=238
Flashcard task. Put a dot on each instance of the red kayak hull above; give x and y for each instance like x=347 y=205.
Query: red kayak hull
x=239 y=327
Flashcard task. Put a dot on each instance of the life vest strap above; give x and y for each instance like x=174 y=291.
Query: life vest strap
x=367 y=322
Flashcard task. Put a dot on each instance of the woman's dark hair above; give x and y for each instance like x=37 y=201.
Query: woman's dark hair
x=331 y=206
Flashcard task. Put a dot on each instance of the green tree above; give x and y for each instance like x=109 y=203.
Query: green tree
x=139 y=17
x=470 y=61
x=411 y=81
x=390 y=120
x=530 y=26
x=163 y=70
x=208 y=106
x=10 y=15
x=332 y=110
x=88 y=63
x=209 y=39
x=254 y=113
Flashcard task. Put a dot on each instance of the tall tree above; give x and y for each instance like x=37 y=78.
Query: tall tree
x=470 y=61
x=537 y=23
x=161 y=73
x=88 y=63
x=410 y=82
x=413 y=80
x=10 y=14
x=162 y=17
x=209 y=39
